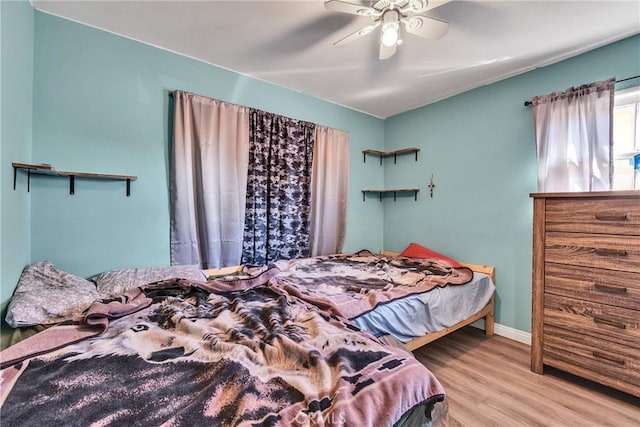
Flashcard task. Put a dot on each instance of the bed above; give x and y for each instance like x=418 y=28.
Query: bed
x=480 y=306
x=461 y=293
x=238 y=351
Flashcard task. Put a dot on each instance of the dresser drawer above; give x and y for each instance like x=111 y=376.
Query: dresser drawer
x=609 y=287
x=616 y=367
x=601 y=216
x=594 y=250
x=587 y=318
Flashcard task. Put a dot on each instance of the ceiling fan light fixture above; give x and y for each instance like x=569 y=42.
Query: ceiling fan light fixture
x=390 y=28
x=390 y=34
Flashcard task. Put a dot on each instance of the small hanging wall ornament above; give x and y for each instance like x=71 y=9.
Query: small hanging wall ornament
x=431 y=186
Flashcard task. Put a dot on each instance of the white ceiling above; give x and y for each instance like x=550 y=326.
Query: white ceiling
x=289 y=43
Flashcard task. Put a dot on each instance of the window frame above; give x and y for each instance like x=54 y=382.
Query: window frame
x=625 y=97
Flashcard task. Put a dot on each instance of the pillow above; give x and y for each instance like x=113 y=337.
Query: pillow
x=415 y=250
x=45 y=295
x=115 y=282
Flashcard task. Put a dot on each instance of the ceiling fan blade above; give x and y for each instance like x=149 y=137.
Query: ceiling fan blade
x=423 y=26
x=357 y=34
x=436 y=3
x=345 y=7
x=421 y=6
x=387 y=51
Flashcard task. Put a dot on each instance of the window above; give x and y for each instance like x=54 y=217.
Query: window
x=626 y=139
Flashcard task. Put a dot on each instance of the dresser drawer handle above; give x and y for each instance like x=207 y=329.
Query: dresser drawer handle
x=611 y=252
x=612 y=217
x=610 y=288
x=608 y=358
x=609 y=322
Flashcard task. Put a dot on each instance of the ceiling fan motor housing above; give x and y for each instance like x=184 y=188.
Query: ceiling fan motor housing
x=390 y=18
x=415 y=6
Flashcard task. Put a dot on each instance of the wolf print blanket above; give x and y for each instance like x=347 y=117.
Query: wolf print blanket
x=190 y=356
x=350 y=285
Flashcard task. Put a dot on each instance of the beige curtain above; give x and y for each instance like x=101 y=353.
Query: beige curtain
x=329 y=190
x=208 y=180
x=574 y=141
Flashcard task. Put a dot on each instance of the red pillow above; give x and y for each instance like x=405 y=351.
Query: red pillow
x=415 y=250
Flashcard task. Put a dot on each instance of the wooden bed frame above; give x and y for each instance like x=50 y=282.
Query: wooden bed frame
x=487 y=312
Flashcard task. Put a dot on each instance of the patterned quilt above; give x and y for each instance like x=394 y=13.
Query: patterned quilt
x=350 y=285
x=180 y=353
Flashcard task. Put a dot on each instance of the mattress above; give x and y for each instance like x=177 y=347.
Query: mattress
x=418 y=315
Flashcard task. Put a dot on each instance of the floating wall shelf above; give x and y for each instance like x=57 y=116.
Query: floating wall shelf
x=395 y=192
x=394 y=153
x=382 y=155
x=44 y=169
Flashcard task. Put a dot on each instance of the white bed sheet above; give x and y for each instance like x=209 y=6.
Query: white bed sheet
x=418 y=315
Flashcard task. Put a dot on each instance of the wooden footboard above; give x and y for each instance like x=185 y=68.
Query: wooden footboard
x=487 y=312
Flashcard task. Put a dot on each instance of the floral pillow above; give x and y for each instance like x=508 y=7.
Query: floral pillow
x=46 y=295
x=415 y=250
x=115 y=282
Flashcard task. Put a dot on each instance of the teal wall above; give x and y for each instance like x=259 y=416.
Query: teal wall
x=101 y=104
x=480 y=148
x=16 y=94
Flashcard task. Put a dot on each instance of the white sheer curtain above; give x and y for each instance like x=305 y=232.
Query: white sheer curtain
x=329 y=188
x=208 y=180
x=573 y=132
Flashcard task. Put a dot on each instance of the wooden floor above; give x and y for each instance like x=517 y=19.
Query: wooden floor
x=488 y=383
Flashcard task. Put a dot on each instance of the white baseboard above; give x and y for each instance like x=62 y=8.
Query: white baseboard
x=512 y=333
x=507 y=332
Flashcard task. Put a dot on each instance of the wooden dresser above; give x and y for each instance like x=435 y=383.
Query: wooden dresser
x=586 y=286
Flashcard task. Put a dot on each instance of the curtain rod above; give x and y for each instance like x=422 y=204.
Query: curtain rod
x=529 y=103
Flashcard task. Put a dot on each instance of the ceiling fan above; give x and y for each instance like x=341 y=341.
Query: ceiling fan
x=389 y=14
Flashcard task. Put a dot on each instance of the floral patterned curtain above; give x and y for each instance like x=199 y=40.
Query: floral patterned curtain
x=278 y=208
